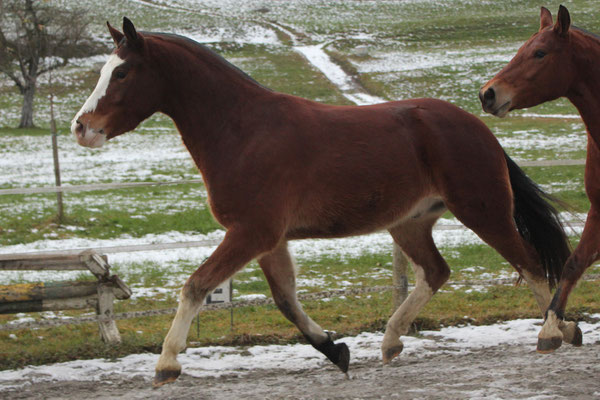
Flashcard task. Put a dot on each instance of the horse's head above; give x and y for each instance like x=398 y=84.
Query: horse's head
x=540 y=71
x=126 y=93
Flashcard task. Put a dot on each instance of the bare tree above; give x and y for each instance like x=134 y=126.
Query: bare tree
x=36 y=36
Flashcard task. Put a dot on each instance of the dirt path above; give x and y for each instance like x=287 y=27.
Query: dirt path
x=506 y=372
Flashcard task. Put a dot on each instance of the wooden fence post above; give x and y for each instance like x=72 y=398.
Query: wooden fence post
x=400 y=281
x=59 y=195
x=108 y=328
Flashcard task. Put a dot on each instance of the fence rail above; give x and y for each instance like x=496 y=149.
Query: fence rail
x=122 y=185
x=97 y=186
x=246 y=303
x=400 y=285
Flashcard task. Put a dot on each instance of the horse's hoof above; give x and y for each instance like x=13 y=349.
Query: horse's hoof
x=548 y=345
x=165 y=376
x=344 y=357
x=571 y=333
x=577 y=337
x=337 y=353
x=391 y=353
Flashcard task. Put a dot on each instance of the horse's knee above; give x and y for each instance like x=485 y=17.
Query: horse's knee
x=286 y=308
x=436 y=276
x=194 y=290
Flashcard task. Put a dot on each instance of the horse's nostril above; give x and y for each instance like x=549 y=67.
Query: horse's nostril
x=489 y=95
x=79 y=128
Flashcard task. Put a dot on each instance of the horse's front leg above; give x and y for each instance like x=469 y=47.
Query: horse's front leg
x=238 y=248
x=555 y=329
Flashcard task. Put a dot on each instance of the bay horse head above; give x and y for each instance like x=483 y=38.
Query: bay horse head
x=542 y=70
x=127 y=92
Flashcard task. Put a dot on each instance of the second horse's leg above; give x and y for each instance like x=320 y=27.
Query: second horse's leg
x=549 y=338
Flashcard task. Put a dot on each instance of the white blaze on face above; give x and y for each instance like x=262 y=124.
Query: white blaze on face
x=92 y=102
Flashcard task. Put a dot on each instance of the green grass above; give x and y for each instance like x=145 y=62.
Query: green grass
x=154 y=210
x=261 y=325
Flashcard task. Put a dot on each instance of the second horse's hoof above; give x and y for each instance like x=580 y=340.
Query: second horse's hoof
x=548 y=345
x=577 y=338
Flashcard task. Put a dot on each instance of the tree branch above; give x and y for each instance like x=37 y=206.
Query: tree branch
x=52 y=67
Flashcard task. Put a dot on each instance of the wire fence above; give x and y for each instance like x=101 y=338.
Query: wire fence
x=124 y=185
x=333 y=293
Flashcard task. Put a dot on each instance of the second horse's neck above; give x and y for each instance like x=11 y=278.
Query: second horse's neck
x=585 y=93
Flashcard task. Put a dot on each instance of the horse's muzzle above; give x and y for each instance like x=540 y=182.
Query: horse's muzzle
x=86 y=136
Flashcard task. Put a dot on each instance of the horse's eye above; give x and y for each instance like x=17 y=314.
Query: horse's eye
x=120 y=74
x=539 y=54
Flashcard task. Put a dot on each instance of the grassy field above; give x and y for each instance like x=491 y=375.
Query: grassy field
x=444 y=49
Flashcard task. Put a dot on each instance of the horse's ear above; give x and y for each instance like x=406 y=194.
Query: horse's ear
x=563 y=21
x=116 y=35
x=133 y=38
x=545 y=18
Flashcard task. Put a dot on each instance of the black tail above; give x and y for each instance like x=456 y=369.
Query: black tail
x=538 y=223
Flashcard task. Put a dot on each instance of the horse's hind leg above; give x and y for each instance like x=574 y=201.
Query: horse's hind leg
x=280 y=273
x=431 y=271
x=495 y=226
x=237 y=249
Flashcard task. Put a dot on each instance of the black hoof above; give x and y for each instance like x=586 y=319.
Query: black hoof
x=165 y=376
x=577 y=338
x=339 y=354
x=548 y=345
x=344 y=357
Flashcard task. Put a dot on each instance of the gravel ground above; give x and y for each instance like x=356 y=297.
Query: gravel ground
x=502 y=372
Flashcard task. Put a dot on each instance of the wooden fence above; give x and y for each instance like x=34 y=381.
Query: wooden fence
x=100 y=294
x=66 y=295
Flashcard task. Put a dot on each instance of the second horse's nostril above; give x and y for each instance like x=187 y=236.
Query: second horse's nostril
x=489 y=95
x=80 y=128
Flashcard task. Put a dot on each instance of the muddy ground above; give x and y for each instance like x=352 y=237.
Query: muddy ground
x=507 y=372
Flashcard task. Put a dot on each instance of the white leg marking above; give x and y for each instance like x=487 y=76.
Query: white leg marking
x=540 y=289
x=550 y=328
x=400 y=321
x=176 y=339
x=541 y=292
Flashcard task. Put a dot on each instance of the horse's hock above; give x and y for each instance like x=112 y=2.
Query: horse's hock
x=65 y=295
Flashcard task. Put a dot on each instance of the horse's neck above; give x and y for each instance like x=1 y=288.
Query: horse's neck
x=207 y=111
x=585 y=94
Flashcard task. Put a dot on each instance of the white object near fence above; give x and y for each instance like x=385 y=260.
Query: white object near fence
x=222 y=294
x=399 y=278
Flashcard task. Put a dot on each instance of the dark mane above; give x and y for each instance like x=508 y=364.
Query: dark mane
x=196 y=47
x=587 y=33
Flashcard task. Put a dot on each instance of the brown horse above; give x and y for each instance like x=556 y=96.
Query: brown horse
x=278 y=167
x=559 y=60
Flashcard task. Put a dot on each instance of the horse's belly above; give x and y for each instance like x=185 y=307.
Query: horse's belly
x=353 y=224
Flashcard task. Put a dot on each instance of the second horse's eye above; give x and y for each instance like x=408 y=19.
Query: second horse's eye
x=539 y=54
x=120 y=74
